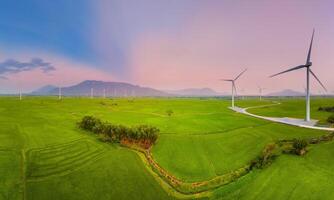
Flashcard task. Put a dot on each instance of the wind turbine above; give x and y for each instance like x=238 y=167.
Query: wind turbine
x=260 y=91
x=104 y=93
x=243 y=93
x=59 y=93
x=307 y=66
x=233 y=85
x=91 y=93
x=20 y=94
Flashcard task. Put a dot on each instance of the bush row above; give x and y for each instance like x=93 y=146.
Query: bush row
x=326 y=108
x=330 y=119
x=323 y=138
x=143 y=135
x=273 y=150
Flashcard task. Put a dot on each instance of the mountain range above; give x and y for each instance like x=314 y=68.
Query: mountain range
x=286 y=93
x=121 y=89
x=118 y=89
x=98 y=88
x=194 y=92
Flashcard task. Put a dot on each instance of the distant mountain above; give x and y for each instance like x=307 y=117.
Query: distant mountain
x=286 y=93
x=193 y=92
x=44 y=90
x=111 y=89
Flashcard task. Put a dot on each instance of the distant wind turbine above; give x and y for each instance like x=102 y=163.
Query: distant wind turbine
x=307 y=66
x=59 y=93
x=104 y=93
x=260 y=91
x=91 y=93
x=243 y=93
x=20 y=94
x=233 y=85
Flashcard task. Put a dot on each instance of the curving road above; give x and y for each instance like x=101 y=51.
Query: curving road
x=284 y=120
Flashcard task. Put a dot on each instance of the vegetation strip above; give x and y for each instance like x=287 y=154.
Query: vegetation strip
x=23 y=173
x=141 y=138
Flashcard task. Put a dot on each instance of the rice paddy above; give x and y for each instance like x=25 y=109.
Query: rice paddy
x=44 y=155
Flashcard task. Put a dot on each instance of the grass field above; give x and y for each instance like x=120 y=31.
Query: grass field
x=44 y=155
x=296 y=108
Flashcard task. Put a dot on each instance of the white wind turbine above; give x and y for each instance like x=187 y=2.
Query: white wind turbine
x=307 y=66
x=20 y=94
x=233 y=85
x=91 y=92
x=59 y=93
x=243 y=93
x=260 y=91
x=20 y=87
x=104 y=93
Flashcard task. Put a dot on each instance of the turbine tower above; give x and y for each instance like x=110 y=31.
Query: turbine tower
x=20 y=94
x=91 y=93
x=104 y=93
x=59 y=93
x=260 y=91
x=243 y=93
x=233 y=85
x=307 y=66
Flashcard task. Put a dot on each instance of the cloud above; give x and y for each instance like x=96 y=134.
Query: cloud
x=12 y=66
x=34 y=74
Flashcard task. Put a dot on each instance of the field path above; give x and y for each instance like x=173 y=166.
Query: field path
x=284 y=120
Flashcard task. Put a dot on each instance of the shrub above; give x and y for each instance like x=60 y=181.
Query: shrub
x=103 y=103
x=88 y=122
x=169 y=112
x=330 y=119
x=266 y=158
x=299 y=146
x=326 y=109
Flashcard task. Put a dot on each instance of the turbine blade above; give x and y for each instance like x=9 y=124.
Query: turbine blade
x=289 y=70
x=226 y=80
x=310 y=50
x=322 y=85
x=240 y=74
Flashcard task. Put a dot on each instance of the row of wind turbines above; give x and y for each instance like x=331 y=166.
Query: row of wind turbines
x=91 y=93
x=306 y=66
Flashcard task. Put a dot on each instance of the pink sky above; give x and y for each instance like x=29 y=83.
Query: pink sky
x=220 y=40
x=197 y=45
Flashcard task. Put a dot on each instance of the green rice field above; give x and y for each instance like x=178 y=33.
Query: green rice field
x=44 y=155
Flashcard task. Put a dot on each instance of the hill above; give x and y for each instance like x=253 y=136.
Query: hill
x=44 y=90
x=98 y=87
x=286 y=93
